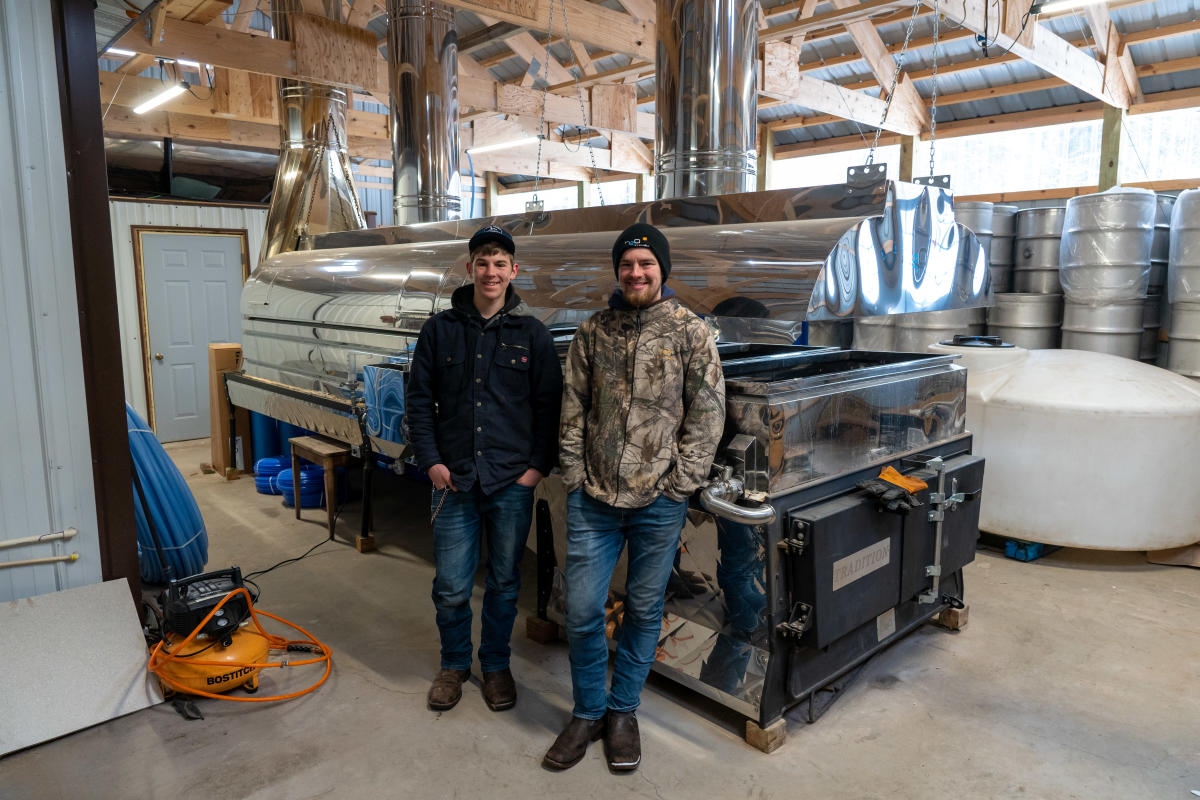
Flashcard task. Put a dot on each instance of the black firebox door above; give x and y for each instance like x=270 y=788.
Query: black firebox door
x=857 y=561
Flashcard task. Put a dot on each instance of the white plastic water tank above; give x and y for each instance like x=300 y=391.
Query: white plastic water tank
x=1084 y=449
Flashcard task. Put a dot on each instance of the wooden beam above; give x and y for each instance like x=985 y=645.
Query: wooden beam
x=193 y=42
x=908 y=157
x=1034 y=43
x=1111 y=131
x=837 y=144
x=502 y=98
x=1162 y=32
x=579 y=51
x=360 y=13
x=591 y=23
x=766 y=156
x=333 y=52
x=581 y=194
x=261 y=54
x=867 y=39
x=1120 y=76
x=839 y=16
x=534 y=53
x=608 y=76
x=782 y=79
x=483 y=37
x=1168 y=101
x=493 y=185
x=202 y=12
x=645 y=10
x=244 y=15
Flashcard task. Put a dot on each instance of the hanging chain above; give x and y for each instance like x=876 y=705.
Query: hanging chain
x=579 y=93
x=933 y=106
x=895 y=78
x=541 y=131
x=433 y=517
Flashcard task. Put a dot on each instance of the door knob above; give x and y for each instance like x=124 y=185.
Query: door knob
x=158 y=356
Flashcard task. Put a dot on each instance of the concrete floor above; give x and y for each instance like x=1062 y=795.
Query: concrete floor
x=1078 y=676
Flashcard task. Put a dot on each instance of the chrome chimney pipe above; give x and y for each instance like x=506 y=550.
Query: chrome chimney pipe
x=707 y=97
x=314 y=187
x=423 y=79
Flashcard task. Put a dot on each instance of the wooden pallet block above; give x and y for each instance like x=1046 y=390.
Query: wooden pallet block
x=542 y=631
x=954 y=619
x=768 y=739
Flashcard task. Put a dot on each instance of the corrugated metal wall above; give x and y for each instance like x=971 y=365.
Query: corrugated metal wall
x=46 y=481
x=127 y=213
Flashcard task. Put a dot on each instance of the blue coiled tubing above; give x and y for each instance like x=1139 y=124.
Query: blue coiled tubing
x=265 y=470
x=173 y=510
x=312 y=486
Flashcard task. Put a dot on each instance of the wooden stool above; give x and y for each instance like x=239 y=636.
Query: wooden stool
x=328 y=455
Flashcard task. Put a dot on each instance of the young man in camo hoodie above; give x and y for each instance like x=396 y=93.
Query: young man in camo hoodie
x=643 y=410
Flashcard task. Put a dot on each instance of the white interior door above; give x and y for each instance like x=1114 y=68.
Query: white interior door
x=193 y=284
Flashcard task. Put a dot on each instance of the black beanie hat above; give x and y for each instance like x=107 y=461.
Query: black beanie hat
x=641 y=234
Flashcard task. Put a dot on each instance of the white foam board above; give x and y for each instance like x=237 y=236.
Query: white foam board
x=71 y=659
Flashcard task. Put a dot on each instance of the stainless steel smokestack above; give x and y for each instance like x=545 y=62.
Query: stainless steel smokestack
x=314 y=188
x=707 y=97
x=423 y=78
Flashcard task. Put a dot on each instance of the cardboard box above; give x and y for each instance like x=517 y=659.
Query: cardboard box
x=226 y=357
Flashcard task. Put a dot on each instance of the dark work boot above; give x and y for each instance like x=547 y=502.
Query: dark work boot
x=622 y=741
x=571 y=745
x=446 y=690
x=499 y=689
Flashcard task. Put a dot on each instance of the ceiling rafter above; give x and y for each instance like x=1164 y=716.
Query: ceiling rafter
x=1120 y=74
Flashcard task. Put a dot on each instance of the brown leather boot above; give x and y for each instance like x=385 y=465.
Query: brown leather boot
x=499 y=689
x=622 y=741
x=446 y=690
x=571 y=745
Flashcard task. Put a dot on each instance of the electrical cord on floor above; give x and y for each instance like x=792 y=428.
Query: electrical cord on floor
x=248 y=577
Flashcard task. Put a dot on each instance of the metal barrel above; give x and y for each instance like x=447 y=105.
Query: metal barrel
x=1164 y=329
x=1183 y=355
x=1104 y=255
x=875 y=333
x=915 y=332
x=1000 y=253
x=1026 y=320
x=1151 y=324
x=1035 y=252
x=1114 y=328
x=1160 y=250
x=1183 y=272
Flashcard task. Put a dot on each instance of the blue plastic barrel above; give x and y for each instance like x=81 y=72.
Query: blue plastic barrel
x=264 y=432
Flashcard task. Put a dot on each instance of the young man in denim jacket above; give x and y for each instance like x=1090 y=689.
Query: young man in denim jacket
x=483 y=406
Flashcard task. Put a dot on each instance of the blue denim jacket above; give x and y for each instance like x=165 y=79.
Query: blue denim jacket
x=484 y=395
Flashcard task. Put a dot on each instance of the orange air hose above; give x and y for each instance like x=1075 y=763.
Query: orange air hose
x=159 y=657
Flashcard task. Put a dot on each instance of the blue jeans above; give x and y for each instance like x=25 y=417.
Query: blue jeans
x=740 y=575
x=457 y=532
x=596 y=534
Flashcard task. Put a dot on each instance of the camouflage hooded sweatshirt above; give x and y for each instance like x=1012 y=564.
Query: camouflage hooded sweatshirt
x=643 y=404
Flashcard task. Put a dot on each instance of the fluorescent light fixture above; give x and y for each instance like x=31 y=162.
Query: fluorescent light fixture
x=162 y=97
x=116 y=51
x=487 y=148
x=1053 y=6
x=192 y=64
